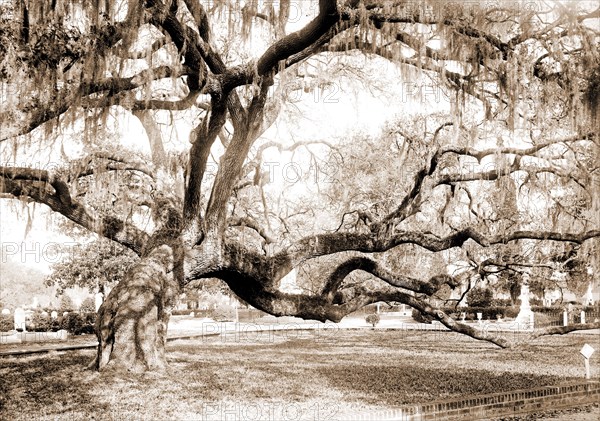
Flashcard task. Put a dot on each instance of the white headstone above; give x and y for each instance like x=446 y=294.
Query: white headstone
x=19 y=318
x=5 y=311
x=589 y=296
x=525 y=317
x=54 y=314
x=98 y=300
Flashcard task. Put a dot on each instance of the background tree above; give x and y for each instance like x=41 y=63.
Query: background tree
x=95 y=265
x=480 y=297
x=530 y=72
x=88 y=306
x=66 y=303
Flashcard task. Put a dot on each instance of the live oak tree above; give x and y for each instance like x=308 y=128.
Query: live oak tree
x=77 y=68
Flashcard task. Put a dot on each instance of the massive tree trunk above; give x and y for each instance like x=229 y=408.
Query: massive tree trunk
x=132 y=322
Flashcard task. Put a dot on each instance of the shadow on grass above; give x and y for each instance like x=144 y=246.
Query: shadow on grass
x=47 y=386
x=384 y=384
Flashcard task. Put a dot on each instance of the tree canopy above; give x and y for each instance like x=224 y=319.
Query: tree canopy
x=521 y=81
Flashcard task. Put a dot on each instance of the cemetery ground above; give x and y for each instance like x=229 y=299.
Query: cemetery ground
x=303 y=374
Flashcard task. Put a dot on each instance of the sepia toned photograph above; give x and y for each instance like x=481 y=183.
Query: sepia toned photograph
x=299 y=210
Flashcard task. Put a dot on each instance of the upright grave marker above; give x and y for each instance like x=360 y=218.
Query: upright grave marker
x=19 y=318
x=587 y=352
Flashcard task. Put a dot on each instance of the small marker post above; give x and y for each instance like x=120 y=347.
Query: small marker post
x=587 y=352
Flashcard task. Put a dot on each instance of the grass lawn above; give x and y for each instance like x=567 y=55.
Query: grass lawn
x=285 y=375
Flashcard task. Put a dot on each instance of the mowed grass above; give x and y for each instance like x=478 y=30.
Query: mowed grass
x=285 y=375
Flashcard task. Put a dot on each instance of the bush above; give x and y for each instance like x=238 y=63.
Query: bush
x=420 y=317
x=42 y=323
x=501 y=302
x=7 y=322
x=511 y=312
x=487 y=313
x=223 y=313
x=546 y=319
x=491 y=313
x=373 y=319
x=536 y=302
x=480 y=297
x=78 y=323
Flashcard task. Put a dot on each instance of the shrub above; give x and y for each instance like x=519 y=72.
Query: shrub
x=487 y=313
x=78 y=323
x=511 y=312
x=491 y=313
x=42 y=323
x=501 y=302
x=420 y=317
x=546 y=319
x=7 y=322
x=536 y=301
x=223 y=313
x=373 y=319
x=480 y=297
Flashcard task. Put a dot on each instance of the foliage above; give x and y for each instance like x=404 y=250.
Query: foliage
x=480 y=297
x=92 y=265
x=7 y=322
x=547 y=319
x=41 y=322
x=502 y=302
x=88 y=305
x=66 y=304
x=79 y=323
x=222 y=313
x=373 y=319
x=420 y=317
x=487 y=313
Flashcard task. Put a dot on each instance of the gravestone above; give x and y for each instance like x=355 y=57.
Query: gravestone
x=589 y=295
x=5 y=311
x=19 y=318
x=98 y=300
x=54 y=314
x=525 y=317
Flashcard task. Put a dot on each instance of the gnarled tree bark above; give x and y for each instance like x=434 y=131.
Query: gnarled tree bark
x=132 y=322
